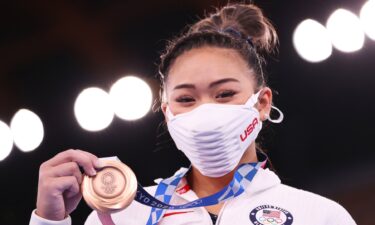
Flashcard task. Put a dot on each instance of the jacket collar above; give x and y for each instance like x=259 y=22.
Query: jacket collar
x=263 y=180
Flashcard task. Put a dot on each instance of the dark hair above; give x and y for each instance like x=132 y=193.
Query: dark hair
x=241 y=27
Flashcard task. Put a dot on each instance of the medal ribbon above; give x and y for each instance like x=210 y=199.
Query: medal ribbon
x=166 y=188
x=242 y=177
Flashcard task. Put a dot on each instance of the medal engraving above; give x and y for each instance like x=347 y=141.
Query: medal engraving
x=108 y=181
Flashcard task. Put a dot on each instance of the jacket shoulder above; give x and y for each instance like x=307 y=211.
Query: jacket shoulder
x=311 y=203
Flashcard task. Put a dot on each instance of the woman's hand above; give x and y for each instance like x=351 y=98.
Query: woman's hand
x=59 y=183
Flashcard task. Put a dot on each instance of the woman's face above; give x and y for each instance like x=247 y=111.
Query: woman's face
x=211 y=75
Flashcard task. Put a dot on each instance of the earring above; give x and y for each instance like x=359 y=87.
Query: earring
x=278 y=120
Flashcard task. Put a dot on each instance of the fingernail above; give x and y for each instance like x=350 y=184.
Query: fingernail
x=93 y=172
x=98 y=164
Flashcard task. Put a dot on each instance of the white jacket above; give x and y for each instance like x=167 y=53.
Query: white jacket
x=265 y=201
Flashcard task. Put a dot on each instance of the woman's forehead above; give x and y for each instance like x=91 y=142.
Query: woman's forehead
x=208 y=64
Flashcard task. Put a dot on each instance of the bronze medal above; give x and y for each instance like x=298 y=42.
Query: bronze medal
x=112 y=189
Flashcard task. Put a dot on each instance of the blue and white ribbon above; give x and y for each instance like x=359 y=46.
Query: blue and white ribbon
x=166 y=188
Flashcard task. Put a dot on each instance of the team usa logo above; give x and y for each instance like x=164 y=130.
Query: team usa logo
x=270 y=215
x=249 y=130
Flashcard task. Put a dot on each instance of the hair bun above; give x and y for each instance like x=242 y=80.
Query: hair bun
x=247 y=19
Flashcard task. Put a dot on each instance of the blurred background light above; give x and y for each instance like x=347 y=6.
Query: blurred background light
x=312 y=41
x=131 y=98
x=6 y=140
x=367 y=17
x=93 y=109
x=27 y=129
x=345 y=30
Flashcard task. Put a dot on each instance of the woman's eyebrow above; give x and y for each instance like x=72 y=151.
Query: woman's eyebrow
x=180 y=86
x=221 y=81
x=213 y=84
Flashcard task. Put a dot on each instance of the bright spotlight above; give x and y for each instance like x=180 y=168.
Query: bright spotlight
x=93 y=109
x=367 y=16
x=345 y=30
x=312 y=41
x=6 y=141
x=131 y=98
x=27 y=129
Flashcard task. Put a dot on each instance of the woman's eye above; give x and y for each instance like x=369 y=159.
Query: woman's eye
x=184 y=99
x=225 y=94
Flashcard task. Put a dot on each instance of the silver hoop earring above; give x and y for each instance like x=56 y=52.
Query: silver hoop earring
x=279 y=119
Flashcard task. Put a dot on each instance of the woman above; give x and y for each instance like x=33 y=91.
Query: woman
x=214 y=100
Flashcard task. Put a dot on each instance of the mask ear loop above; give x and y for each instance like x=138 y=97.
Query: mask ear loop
x=278 y=120
x=169 y=113
x=253 y=99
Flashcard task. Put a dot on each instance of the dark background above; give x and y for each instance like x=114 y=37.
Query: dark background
x=51 y=50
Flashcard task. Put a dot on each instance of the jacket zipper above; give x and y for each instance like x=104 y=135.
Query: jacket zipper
x=221 y=212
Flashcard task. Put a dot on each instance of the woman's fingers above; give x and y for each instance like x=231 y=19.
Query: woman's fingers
x=93 y=157
x=86 y=161
x=68 y=185
x=66 y=169
x=59 y=182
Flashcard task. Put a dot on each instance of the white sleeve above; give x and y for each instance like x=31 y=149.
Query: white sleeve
x=37 y=220
x=93 y=219
x=342 y=217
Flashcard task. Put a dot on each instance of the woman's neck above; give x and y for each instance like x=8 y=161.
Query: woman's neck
x=204 y=186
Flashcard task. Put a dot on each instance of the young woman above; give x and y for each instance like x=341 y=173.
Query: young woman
x=214 y=99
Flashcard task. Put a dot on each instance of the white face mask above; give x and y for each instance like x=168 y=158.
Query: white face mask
x=215 y=136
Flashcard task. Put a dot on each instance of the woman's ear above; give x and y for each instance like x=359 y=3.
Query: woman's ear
x=264 y=103
x=164 y=110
